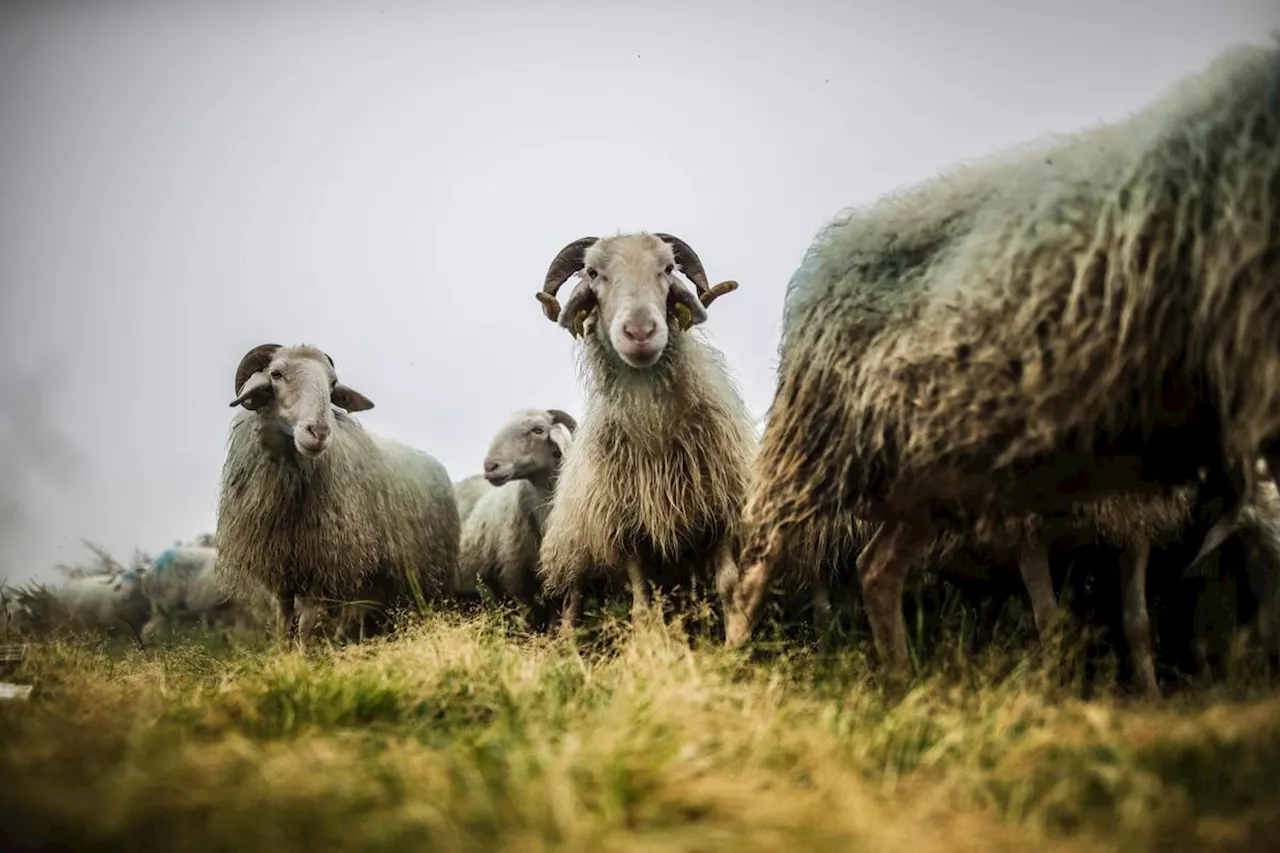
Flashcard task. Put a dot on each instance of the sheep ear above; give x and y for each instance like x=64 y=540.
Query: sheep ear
x=349 y=399
x=686 y=307
x=255 y=393
x=561 y=437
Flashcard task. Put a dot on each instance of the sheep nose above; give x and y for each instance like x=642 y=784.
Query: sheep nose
x=318 y=431
x=490 y=467
x=640 y=333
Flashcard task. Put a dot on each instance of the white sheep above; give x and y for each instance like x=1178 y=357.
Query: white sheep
x=654 y=483
x=102 y=602
x=467 y=492
x=314 y=506
x=502 y=535
x=182 y=584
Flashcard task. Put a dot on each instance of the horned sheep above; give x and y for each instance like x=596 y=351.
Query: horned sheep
x=654 y=483
x=1087 y=318
x=502 y=536
x=314 y=506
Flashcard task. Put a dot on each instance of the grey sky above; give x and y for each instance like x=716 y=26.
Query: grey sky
x=180 y=181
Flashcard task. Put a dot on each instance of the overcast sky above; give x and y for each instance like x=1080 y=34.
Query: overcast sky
x=181 y=181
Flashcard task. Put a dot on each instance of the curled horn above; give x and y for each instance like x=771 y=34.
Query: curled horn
x=254 y=360
x=566 y=263
x=559 y=417
x=691 y=265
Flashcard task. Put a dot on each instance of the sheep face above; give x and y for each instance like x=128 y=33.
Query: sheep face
x=295 y=389
x=529 y=446
x=627 y=292
x=632 y=283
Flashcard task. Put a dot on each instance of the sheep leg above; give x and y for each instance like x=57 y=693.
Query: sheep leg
x=288 y=614
x=741 y=619
x=724 y=564
x=640 y=598
x=571 y=611
x=152 y=625
x=1033 y=565
x=1137 y=622
x=1261 y=583
x=882 y=571
x=821 y=601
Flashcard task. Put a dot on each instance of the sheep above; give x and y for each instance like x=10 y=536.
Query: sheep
x=501 y=537
x=182 y=582
x=467 y=492
x=1088 y=317
x=314 y=506
x=654 y=482
x=97 y=602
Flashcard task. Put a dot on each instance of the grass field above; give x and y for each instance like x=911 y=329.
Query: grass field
x=459 y=734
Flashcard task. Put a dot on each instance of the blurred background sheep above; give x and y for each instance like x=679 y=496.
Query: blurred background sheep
x=501 y=537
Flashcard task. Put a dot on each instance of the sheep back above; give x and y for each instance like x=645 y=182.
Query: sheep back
x=980 y=343
x=467 y=492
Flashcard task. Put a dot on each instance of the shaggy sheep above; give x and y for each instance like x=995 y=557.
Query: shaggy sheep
x=314 y=506
x=654 y=484
x=1090 y=317
x=467 y=492
x=501 y=537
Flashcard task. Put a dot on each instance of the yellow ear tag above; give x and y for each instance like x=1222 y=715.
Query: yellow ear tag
x=684 y=315
x=578 y=320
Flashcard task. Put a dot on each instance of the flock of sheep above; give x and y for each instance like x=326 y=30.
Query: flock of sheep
x=177 y=587
x=1071 y=346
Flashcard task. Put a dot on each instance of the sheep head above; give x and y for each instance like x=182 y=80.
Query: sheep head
x=529 y=446
x=296 y=388
x=628 y=281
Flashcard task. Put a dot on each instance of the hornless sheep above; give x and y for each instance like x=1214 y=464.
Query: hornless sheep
x=654 y=483
x=501 y=537
x=314 y=506
x=467 y=492
x=182 y=583
x=1090 y=317
x=96 y=602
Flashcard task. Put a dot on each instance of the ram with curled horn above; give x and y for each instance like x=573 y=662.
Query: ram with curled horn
x=653 y=488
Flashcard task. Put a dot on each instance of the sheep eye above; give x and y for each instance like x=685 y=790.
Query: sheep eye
x=669 y=268
x=538 y=430
x=275 y=374
x=591 y=273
